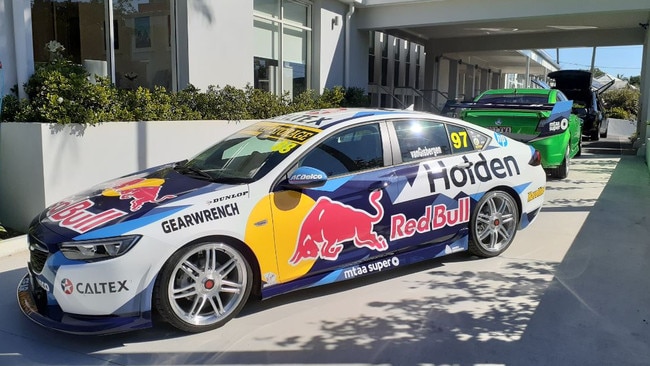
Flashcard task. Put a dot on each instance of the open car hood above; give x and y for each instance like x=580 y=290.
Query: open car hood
x=576 y=81
x=571 y=80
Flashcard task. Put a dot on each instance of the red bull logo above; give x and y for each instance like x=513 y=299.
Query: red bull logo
x=139 y=191
x=330 y=224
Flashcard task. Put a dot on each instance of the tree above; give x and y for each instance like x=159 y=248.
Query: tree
x=622 y=103
x=598 y=72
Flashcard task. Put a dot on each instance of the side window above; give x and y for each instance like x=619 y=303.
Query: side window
x=465 y=139
x=421 y=139
x=461 y=141
x=352 y=150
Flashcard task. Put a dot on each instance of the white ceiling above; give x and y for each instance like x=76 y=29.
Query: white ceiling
x=492 y=30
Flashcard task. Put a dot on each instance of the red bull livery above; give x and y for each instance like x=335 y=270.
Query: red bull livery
x=293 y=202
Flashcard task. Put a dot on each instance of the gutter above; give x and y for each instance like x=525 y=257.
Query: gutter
x=346 y=62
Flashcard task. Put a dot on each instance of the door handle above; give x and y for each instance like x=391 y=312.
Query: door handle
x=382 y=184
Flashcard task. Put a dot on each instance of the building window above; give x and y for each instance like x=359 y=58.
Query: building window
x=282 y=62
x=141 y=32
x=63 y=22
x=144 y=56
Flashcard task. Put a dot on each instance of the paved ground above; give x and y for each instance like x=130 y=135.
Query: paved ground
x=573 y=289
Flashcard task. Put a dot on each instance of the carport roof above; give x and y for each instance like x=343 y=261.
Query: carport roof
x=480 y=27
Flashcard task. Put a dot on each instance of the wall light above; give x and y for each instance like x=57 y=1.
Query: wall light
x=335 y=21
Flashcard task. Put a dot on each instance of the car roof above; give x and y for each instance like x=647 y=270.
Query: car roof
x=326 y=118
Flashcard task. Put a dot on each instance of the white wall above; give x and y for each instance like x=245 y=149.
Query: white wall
x=41 y=164
x=219 y=43
x=329 y=40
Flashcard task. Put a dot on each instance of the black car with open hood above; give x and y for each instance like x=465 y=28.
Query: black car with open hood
x=587 y=101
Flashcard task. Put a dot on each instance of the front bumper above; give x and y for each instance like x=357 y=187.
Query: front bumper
x=33 y=305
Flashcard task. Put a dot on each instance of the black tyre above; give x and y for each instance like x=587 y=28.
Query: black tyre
x=493 y=224
x=579 y=153
x=203 y=286
x=595 y=135
x=562 y=171
x=604 y=134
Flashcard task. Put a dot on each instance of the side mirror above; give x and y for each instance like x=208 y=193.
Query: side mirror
x=307 y=177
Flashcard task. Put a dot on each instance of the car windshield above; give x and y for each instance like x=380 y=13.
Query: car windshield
x=249 y=154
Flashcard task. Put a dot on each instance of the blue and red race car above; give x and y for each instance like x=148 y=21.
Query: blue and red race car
x=292 y=202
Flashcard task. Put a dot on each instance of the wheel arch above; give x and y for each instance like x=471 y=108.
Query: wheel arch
x=513 y=194
x=246 y=251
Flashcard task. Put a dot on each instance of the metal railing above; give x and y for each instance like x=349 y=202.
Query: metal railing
x=420 y=100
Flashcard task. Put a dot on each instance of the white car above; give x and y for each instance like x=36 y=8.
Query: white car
x=296 y=201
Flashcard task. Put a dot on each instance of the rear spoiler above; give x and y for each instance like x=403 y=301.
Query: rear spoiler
x=477 y=105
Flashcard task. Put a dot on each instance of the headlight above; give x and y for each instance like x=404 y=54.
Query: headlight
x=98 y=249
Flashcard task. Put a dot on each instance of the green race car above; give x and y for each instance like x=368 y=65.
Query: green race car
x=541 y=118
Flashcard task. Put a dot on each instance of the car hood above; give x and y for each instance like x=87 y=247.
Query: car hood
x=138 y=196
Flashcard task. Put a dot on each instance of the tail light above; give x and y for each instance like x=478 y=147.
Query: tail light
x=536 y=158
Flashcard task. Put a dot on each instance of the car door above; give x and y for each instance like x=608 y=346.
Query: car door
x=435 y=180
x=317 y=229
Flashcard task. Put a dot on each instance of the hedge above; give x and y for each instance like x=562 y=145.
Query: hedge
x=61 y=92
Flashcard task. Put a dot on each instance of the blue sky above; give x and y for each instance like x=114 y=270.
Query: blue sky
x=620 y=60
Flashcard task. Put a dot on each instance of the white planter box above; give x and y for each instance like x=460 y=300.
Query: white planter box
x=41 y=164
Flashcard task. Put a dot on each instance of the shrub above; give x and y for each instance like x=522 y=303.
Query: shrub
x=356 y=97
x=262 y=104
x=61 y=92
x=618 y=112
x=622 y=102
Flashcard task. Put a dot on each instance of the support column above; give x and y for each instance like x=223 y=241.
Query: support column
x=453 y=79
x=431 y=64
x=24 y=49
x=644 y=99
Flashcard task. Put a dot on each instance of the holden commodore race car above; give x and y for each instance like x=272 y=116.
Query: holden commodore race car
x=542 y=118
x=287 y=203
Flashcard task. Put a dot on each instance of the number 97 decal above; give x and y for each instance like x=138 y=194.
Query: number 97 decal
x=459 y=139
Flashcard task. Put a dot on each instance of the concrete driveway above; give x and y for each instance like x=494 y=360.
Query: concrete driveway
x=573 y=289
